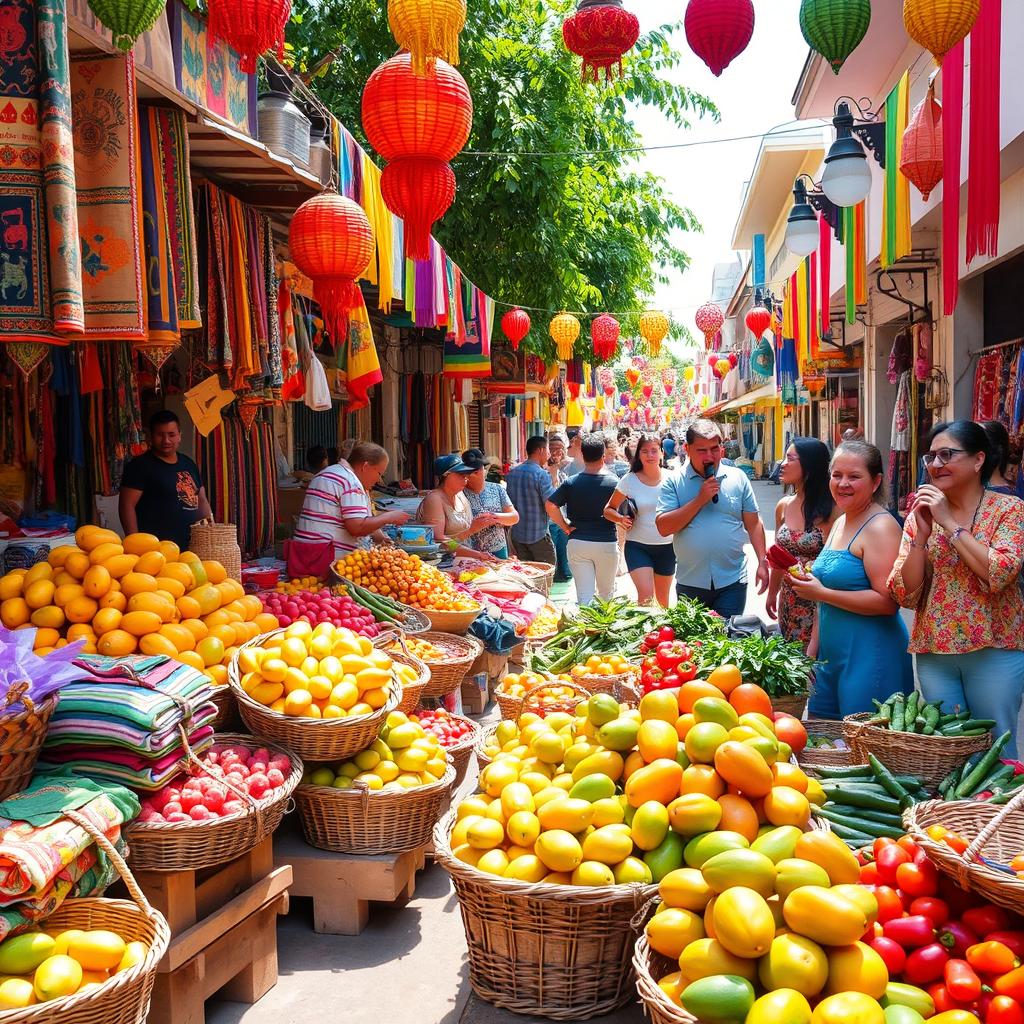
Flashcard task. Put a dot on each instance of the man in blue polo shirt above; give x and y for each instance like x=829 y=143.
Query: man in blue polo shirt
x=529 y=486
x=711 y=510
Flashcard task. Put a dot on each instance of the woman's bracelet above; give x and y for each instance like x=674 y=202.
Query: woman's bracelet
x=914 y=544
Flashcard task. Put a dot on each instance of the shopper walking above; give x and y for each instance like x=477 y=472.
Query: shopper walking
x=958 y=567
x=558 y=465
x=446 y=509
x=802 y=522
x=999 y=442
x=860 y=640
x=650 y=557
x=529 y=486
x=574 y=453
x=711 y=511
x=492 y=508
x=593 y=554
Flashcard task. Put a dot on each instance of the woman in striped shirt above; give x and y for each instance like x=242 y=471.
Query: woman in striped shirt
x=337 y=504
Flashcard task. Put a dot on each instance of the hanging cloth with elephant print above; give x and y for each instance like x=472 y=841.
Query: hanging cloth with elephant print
x=40 y=293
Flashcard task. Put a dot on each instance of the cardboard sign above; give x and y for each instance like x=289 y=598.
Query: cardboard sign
x=204 y=403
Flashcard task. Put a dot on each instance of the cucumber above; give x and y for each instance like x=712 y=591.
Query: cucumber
x=862 y=798
x=870 y=828
x=983 y=767
x=853 y=838
x=889 y=782
x=858 y=771
x=999 y=776
x=882 y=817
x=898 y=713
x=910 y=711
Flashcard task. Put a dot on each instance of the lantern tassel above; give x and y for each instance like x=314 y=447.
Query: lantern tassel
x=336 y=296
x=442 y=42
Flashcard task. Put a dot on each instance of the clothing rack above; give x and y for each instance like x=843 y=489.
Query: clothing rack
x=995 y=348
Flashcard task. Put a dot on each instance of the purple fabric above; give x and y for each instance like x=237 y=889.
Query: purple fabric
x=426 y=315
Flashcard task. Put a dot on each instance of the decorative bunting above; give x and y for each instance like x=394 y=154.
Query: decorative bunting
x=896 y=242
x=952 y=146
x=983 y=152
x=825 y=274
x=856 y=259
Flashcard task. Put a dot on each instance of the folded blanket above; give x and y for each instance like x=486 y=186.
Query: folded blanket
x=96 y=730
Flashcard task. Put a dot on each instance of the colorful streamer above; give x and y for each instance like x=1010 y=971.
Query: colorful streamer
x=896 y=241
x=855 y=244
x=952 y=153
x=983 y=152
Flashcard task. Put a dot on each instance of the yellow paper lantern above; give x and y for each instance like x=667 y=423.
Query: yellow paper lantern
x=564 y=330
x=689 y=373
x=428 y=29
x=938 y=25
x=723 y=366
x=654 y=329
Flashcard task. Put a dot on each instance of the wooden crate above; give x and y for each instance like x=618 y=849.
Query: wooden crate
x=223 y=924
x=343 y=886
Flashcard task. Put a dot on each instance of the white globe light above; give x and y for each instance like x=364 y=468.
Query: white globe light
x=802 y=233
x=847 y=178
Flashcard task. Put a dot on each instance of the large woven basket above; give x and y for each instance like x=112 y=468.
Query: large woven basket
x=190 y=845
x=124 y=999
x=411 y=692
x=930 y=758
x=650 y=967
x=218 y=542
x=995 y=832
x=545 y=575
x=456 y=623
x=313 y=739
x=830 y=757
x=557 y=951
x=459 y=654
x=790 y=704
x=512 y=707
x=21 y=738
x=224 y=700
x=360 y=821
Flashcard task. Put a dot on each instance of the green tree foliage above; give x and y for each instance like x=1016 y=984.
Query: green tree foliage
x=558 y=231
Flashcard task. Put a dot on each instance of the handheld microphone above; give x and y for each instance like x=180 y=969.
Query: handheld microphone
x=709 y=471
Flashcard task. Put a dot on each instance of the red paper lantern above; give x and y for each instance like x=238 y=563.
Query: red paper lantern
x=331 y=242
x=758 y=320
x=718 y=31
x=712 y=359
x=733 y=359
x=921 y=149
x=250 y=26
x=419 y=124
x=604 y=331
x=709 y=319
x=515 y=325
x=600 y=32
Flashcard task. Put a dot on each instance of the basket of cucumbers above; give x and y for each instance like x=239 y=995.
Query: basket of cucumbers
x=912 y=736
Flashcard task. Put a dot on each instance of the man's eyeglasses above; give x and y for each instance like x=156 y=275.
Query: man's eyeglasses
x=941 y=456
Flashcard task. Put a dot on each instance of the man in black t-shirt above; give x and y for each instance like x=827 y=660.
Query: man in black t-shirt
x=161 y=490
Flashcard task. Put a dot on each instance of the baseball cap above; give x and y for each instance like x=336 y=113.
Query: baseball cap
x=450 y=464
x=474 y=458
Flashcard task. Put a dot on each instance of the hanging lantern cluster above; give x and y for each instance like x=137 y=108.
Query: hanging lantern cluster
x=249 y=26
x=718 y=31
x=604 y=332
x=921 y=149
x=428 y=29
x=418 y=124
x=938 y=25
x=733 y=360
x=758 y=320
x=709 y=319
x=601 y=32
x=834 y=28
x=127 y=21
x=564 y=330
x=654 y=329
x=515 y=325
x=331 y=242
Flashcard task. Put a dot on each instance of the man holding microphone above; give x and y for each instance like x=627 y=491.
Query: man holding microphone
x=711 y=510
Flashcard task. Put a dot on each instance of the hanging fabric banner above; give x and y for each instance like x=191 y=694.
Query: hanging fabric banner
x=896 y=241
x=758 y=273
x=855 y=245
x=362 y=367
x=825 y=274
x=952 y=145
x=983 y=152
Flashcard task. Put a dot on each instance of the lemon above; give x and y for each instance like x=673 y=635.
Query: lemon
x=559 y=850
x=484 y=833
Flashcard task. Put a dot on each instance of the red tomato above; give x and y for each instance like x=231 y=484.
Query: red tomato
x=918 y=879
x=888 y=859
x=985 y=919
x=908 y=844
x=890 y=906
x=930 y=906
x=1004 y=1010
x=962 y=982
x=869 y=874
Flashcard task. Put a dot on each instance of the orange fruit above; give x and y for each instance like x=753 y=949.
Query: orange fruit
x=196 y=627
x=157 y=643
x=788 y=774
x=45 y=638
x=170 y=550
x=11 y=585
x=188 y=606
x=785 y=806
x=182 y=638
x=97 y=581
x=701 y=778
x=215 y=572
x=77 y=564
x=39 y=571
x=67 y=592
x=81 y=630
x=726 y=678
x=691 y=692
x=266 y=621
x=141 y=623
x=116 y=643
x=218 y=674
x=50 y=617
x=105 y=620
x=225 y=634
x=141 y=543
x=114 y=599
x=60 y=553
x=120 y=565
x=39 y=594
x=750 y=697
x=81 y=609
x=738 y=815
x=152 y=563
x=138 y=583
x=191 y=659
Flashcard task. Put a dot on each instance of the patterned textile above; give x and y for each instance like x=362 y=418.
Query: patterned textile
x=106 y=161
x=493 y=498
x=359 y=358
x=986 y=385
x=161 y=298
x=796 y=616
x=115 y=418
x=956 y=612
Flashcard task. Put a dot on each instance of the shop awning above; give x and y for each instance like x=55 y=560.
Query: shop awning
x=765 y=393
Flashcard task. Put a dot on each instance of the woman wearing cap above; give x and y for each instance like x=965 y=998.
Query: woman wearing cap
x=446 y=509
x=491 y=507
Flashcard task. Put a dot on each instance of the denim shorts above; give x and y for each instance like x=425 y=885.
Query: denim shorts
x=659 y=557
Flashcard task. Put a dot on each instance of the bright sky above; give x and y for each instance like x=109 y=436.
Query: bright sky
x=753 y=95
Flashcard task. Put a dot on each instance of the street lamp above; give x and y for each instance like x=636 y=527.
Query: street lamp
x=847 y=178
x=802 y=232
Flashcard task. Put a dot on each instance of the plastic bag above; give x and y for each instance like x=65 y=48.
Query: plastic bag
x=318 y=392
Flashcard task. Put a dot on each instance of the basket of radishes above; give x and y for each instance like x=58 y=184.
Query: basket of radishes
x=229 y=800
x=458 y=736
x=321 y=606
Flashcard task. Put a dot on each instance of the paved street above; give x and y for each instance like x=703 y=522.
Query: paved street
x=410 y=963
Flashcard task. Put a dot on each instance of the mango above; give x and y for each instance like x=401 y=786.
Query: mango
x=569 y=814
x=16 y=993
x=743 y=922
x=593 y=788
x=685 y=888
x=650 y=825
x=829 y=851
x=632 y=869
x=703 y=847
x=57 y=976
x=668 y=856
x=784 y=1006
x=659 y=780
x=694 y=813
x=619 y=734
x=592 y=872
x=715 y=709
x=792 y=873
x=794 y=962
x=857 y=968
x=777 y=843
x=602 y=708
x=609 y=845
x=702 y=740
x=722 y=999
x=707 y=957
x=559 y=850
x=824 y=916
x=672 y=930
x=22 y=954
x=740 y=867
x=596 y=762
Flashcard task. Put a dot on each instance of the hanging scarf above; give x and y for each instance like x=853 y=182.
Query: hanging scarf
x=362 y=367
x=854 y=242
x=952 y=126
x=378 y=271
x=896 y=240
x=983 y=154
x=825 y=273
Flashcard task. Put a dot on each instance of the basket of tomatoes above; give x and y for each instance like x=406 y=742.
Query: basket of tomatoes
x=457 y=734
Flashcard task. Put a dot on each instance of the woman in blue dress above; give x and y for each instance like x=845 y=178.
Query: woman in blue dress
x=860 y=640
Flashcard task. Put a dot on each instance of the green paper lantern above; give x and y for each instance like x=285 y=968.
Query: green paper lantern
x=127 y=19
x=834 y=28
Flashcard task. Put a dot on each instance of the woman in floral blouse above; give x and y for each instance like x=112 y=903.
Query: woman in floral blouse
x=958 y=566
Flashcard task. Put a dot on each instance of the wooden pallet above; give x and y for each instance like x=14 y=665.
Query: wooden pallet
x=343 y=886
x=223 y=924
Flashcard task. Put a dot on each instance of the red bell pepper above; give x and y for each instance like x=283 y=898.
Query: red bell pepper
x=918 y=879
x=962 y=981
x=890 y=906
x=1011 y=984
x=888 y=859
x=957 y=938
x=892 y=953
x=666 y=634
x=686 y=671
x=985 y=919
x=926 y=963
x=671 y=654
x=1015 y=940
x=1001 y=1010
x=992 y=957
x=869 y=874
x=911 y=932
x=931 y=907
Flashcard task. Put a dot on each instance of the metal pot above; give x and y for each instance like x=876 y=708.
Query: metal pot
x=283 y=127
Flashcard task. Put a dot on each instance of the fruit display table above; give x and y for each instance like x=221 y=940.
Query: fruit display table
x=343 y=886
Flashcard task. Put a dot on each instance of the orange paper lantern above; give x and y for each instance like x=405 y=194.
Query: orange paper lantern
x=654 y=329
x=938 y=25
x=564 y=330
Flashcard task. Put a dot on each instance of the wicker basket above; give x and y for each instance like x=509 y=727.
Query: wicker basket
x=359 y=821
x=650 y=967
x=461 y=752
x=414 y=620
x=544 y=578
x=188 y=845
x=459 y=654
x=411 y=692
x=124 y=999
x=813 y=757
x=218 y=542
x=557 y=951
x=790 y=704
x=21 y=738
x=512 y=707
x=456 y=623
x=993 y=831
x=313 y=739
x=930 y=758
x=224 y=699
x=624 y=687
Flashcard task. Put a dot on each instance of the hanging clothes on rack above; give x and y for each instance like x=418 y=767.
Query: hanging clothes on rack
x=986 y=385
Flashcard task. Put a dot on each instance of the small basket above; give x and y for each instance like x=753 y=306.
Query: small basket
x=459 y=654
x=562 y=952
x=930 y=758
x=313 y=739
x=360 y=821
x=512 y=707
x=790 y=704
x=651 y=966
x=411 y=692
x=545 y=576
x=21 y=738
x=218 y=542
x=190 y=845
x=124 y=999
x=624 y=687
x=813 y=757
x=456 y=623
x=224 y=700
x=998 y=830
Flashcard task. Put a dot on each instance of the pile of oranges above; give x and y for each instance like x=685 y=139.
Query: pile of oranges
x=556 y=689
x=604 y=665
x=419 y=648
x=393 y=573
x=136 y=595
x=298 y=585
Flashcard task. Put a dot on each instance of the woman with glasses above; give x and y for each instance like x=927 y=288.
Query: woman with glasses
x=802 y=522
x=958 y=568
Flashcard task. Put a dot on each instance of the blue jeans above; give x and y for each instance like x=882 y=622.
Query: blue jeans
x=727 y=601
x=561 y=539
x=990 y=682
